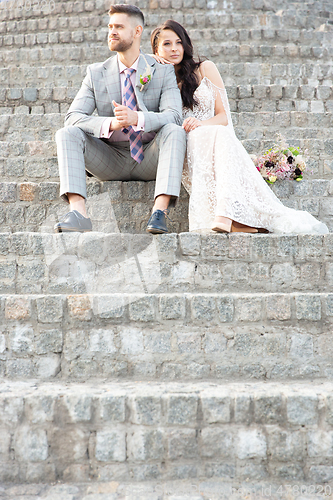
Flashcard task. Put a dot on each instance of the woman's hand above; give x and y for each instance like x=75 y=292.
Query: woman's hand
x=191 y=124
x=160 y=60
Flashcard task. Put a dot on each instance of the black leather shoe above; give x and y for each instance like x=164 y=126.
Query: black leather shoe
x=73 y=221
x=157 y=223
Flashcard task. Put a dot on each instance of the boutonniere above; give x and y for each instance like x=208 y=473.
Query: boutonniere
x=146 y=77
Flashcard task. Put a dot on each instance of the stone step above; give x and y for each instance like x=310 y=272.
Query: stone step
x=37 y=35
x=301 y=124
x=125 y=206
x=285 y=74
x=112 y=206
x=228 y=52
x=165 y=432
x=160 y=336
x=212 y=488
x=243 y=98
x=190 y=14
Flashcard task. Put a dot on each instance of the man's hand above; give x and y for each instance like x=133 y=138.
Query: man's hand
x=124 y=116
x=191 y=124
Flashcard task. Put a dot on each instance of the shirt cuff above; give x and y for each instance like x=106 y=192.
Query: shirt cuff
x=105 y=132
x=141 y=122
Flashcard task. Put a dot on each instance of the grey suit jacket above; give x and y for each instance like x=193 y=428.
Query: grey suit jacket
x=160 y=99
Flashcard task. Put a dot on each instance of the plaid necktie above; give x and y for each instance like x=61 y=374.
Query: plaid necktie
x=129 y=100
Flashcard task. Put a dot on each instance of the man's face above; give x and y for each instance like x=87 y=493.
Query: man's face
x=121 y=32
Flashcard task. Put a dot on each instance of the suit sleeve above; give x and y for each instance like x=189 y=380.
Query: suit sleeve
x=170 y=105
x=83 y=106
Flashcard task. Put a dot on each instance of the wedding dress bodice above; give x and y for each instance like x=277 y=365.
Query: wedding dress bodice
x=206 y=102
x=205 y=96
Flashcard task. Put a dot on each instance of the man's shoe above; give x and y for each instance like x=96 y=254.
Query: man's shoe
x=73 y=221
x=157 y=223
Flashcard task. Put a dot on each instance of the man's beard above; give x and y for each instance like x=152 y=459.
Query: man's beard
x=120 y=45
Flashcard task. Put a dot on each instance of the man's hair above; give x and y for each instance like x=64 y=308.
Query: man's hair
x=130 y=10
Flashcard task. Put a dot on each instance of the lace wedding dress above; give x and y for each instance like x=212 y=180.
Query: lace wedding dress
x=223 y=181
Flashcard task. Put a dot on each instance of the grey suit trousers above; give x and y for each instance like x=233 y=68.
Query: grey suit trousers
x=111 y=161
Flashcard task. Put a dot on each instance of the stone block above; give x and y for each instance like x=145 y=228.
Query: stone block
x=320 y=443
x=217 y=443
x=278 y=307
x=110 y=446
x=216 y=409
x=214 y=246
x=302 y=410
x=30 y=94
x=48 y=191
x=268 y=409
x=145 y=445
x=112 y=408
x=182 y=409
x=48 y=366
x=172 y=307
x=142 y=308
x=188 y=342
x=251 y=444
x=79 y=307
x=8 y=270
x=158 y=342
x=285 y=446
x=19 y=368
x=329 y=409
x=203 y=307
x=31 y=445
x=321 y=473
x=112 y=306
x=102 y=340
x=17 y=308
x=21 y=339
x=39 y=409
x=308 y=307
x=68 y=445
x=301 y=346
x=239 y=246
x=5 y=439
x=49 y=309
x=79 y=408
x=190 y=243
x=214 y=343
x=183 y=444
x=131 y=341
x=146 y=410
x=225 y=307
x=8 y=192
x=249 y=308
x=28 y=191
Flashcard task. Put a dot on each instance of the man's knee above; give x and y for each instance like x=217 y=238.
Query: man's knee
x=69 y=133
x=172 y=129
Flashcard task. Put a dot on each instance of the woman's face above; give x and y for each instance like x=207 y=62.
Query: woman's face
x=170 y=47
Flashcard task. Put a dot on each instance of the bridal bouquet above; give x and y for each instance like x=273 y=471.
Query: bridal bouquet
x=281 y=162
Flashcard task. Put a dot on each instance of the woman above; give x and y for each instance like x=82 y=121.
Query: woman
x=227 y=193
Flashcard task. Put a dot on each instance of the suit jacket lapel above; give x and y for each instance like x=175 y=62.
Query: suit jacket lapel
x=112 y=79
x=142 y=66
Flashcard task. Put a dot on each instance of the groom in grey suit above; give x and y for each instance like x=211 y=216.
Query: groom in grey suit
x=137 y=134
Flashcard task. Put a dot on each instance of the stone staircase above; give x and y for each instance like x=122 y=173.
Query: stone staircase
x=180 y=366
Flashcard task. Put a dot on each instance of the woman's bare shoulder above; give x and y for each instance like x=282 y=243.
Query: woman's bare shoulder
x=209 y=69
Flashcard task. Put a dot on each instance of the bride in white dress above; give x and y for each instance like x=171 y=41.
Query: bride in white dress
x=227 y=193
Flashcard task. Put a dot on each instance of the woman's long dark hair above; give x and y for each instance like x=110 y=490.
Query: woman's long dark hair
x=186 y=72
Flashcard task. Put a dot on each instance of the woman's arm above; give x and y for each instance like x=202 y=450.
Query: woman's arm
x=220 y=118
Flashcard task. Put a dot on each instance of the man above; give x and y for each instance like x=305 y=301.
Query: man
x=137 y=133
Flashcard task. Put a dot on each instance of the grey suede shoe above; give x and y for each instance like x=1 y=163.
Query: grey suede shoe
x=73 y=221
